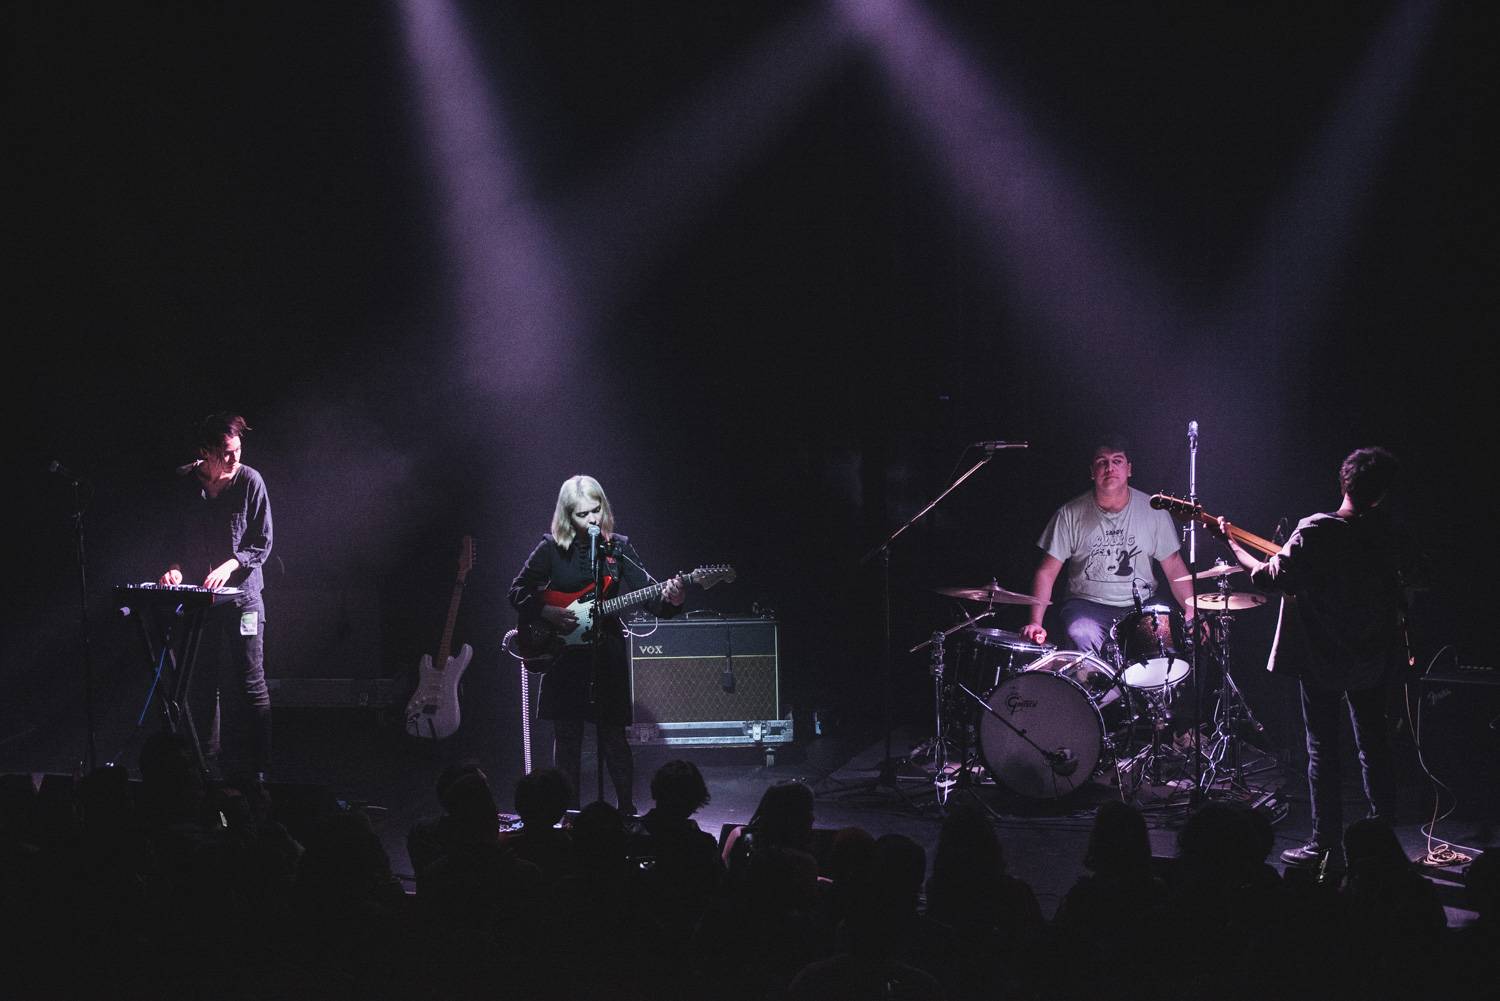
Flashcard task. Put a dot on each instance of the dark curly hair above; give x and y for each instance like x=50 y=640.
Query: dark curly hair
x=1367 y=474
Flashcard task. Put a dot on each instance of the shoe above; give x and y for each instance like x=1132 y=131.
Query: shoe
x=1311 y=853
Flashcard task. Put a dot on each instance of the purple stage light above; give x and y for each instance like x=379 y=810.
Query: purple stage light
x=1062 y=258
x=508 y=285
x=1310 y=230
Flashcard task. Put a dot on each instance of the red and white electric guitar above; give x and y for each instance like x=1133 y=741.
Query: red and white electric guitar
x=538 y=643
x=432 y=713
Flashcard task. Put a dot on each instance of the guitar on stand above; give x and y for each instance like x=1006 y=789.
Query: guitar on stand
x=433 y=712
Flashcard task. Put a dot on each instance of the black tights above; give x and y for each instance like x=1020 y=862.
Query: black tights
x=567 y=756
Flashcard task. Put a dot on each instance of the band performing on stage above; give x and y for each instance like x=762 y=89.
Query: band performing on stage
x=1137 y=694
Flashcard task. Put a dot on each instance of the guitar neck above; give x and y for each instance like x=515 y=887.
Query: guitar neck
x=622 y=602
x=447 y=644
x=1247 y=539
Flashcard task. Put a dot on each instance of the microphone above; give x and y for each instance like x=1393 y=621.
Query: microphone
x=1135 y=594
x=1063 y=761
x=726 y=675
x=57 y=467
x=991 y=446
x=594 y=546
x=1193 y=434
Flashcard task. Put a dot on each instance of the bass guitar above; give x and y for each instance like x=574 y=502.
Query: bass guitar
x=538 y=643
x=432 y=713
x=1188 y=509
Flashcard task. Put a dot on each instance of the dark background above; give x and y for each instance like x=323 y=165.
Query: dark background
x=213 y=207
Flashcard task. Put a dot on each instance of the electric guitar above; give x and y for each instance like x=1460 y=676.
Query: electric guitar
x=432 y=713
x=1187 y=509
x=537 y=642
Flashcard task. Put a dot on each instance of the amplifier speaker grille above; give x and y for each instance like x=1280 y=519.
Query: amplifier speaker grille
x=690 y=689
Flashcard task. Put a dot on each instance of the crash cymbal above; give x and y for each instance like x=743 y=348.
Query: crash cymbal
x=1233 y=601
x=992 y=594
x=1218 y=570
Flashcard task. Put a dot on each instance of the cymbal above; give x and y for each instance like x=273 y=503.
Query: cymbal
x=991 y=593
x=1233 y=601
x=1220 y=570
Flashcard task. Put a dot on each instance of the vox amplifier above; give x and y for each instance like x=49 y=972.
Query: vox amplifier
x=704 y=682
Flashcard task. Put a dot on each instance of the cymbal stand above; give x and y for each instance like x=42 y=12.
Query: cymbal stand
x=942 y=779
x=1232 y=717
x=934 y=747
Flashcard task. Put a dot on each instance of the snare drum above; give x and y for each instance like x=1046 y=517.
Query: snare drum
x=1060 y=711
x=990 y=655
x=1151 y=647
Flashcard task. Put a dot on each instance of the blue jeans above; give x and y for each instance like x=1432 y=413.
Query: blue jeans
x=1088 y=623
x=1320 y=711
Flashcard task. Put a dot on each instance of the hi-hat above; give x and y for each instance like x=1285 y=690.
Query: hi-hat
x=1218 y=570
x=1232 y=601
x=991 y=593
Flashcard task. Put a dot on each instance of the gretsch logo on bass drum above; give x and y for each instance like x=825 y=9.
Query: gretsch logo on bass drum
x=1015 y=703
x=647 y=651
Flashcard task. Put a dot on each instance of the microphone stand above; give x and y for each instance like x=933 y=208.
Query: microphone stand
x=886 y=778
x=1192 y=531
x=90 y=752
x=596 y=656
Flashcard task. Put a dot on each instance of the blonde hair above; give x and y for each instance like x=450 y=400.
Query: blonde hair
x=574 y=492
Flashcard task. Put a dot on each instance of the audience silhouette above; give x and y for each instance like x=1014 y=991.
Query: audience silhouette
x=178 y=887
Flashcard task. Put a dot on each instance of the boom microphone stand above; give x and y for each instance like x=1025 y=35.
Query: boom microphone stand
x=886 y=778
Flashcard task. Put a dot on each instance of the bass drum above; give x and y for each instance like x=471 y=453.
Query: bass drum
x=1044 y=733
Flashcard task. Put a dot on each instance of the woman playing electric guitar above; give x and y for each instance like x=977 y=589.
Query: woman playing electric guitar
x=589 y=682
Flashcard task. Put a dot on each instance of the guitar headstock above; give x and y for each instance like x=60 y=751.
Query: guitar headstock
x=707 y=577
x=1176 y=505
x=465 y=556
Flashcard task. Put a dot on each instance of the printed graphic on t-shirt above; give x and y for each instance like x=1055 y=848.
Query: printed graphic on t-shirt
x=1112 y=556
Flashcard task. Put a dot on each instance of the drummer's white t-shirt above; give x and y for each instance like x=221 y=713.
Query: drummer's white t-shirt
x=1105 y=551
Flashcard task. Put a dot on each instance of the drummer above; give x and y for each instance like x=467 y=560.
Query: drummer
x=1108 y=537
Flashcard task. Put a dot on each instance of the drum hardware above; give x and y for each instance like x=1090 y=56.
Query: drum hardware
x=938 y=637
x=936 y=746
x=992 y=594
x=886 y=778
x=1233 y=722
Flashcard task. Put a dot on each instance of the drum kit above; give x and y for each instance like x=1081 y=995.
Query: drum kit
x=1043 y=721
